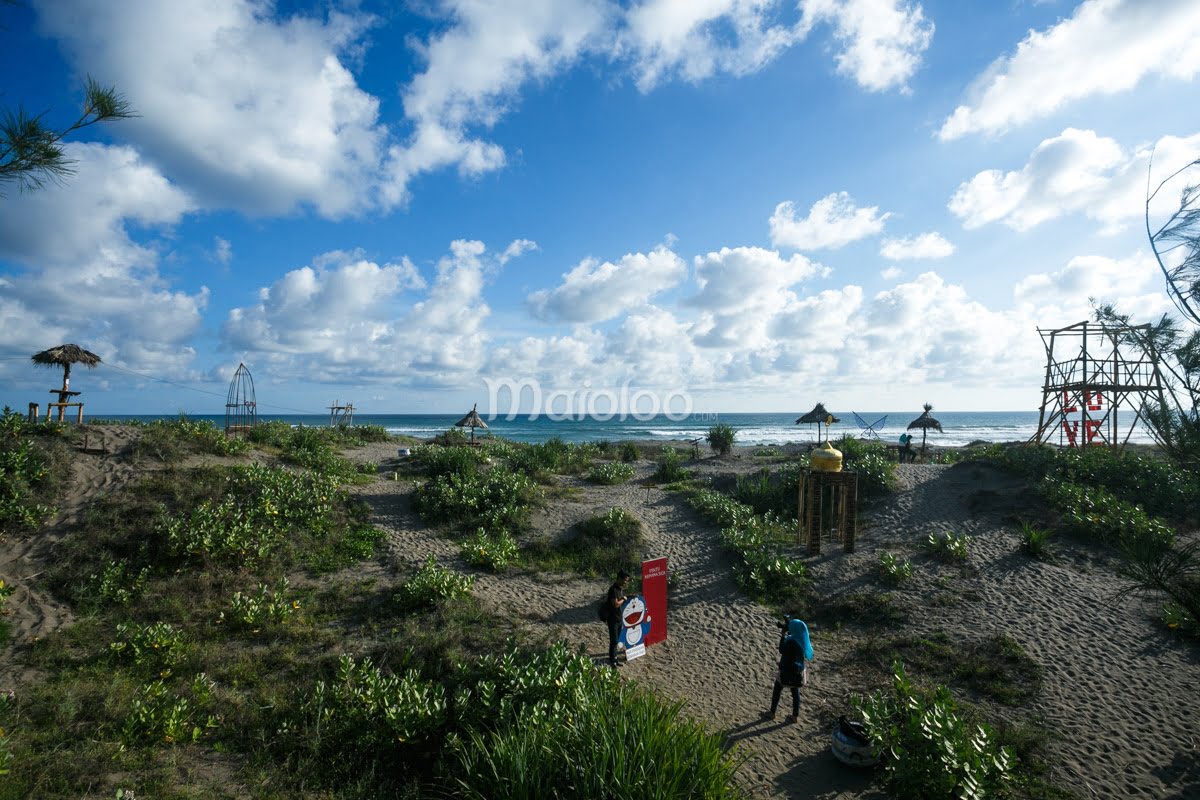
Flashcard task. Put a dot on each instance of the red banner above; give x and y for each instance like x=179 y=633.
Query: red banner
x=654 y=589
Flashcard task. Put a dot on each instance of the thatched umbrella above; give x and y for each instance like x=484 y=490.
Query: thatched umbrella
x=472 y=421
x=64 y=356
x=925 y=422
x=817 y=416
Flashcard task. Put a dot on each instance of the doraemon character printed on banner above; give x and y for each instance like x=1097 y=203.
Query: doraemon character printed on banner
x=635 y=625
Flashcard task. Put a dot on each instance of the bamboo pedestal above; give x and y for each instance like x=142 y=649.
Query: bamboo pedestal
x=827 y=509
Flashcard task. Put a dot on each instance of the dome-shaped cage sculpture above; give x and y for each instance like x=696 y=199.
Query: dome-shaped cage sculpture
x=241 y=407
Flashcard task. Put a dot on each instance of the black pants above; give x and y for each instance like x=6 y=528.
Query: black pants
x=795 y=698
x=614 y=631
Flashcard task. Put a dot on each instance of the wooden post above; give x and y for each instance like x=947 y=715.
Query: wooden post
x=33 y=412
x=814 y=532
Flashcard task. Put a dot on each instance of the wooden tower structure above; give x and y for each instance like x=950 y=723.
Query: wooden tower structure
x=827 y=509
x=241 y=406
x=1099 y=379
x=341 y=414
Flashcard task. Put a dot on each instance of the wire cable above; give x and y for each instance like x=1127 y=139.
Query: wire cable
x=204 y=391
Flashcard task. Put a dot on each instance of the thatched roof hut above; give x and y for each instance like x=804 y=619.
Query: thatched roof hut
x=64 y=356
x=925 y=422
x=817 y=417
x=472 y=421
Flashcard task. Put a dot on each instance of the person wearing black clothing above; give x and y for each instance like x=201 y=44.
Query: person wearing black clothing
x=795 y=651
x=616 y=597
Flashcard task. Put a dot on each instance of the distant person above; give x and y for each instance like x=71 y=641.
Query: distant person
x=795 y=651
x=613 y=601
x=906 y=449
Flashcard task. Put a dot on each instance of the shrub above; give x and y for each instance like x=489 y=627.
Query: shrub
x=769 y=493
x=432 y=585
x=25 y=474
x=669 y=469
x=1171 y=572
x=159 y=646
x=629 y=452
x=892 y=570
x=496 y=499
x=930 y=750
x=1035 y=541
x=949 y=547
x=601 y=545
x=119 y=584
x=362 y=716
x=720 y=438
x=493 y=552
x=264 y=608
x=436 y=460
x=611 y=473
x=168 y=717
x=557 y=726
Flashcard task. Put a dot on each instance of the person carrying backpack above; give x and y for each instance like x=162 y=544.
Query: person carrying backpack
x=610 y=609
x=795 y=651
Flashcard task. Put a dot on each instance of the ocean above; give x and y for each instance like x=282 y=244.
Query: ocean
x=959 y=427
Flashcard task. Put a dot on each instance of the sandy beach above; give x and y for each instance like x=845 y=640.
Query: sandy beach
x=1118 y=696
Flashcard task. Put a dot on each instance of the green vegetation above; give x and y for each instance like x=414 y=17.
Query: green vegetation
x=432 y=585
x=496 y=499
x=996 y=668
x=599 y=546
x=494 y=552
x=1172 y=573
x=930 y=749
x=629 y=452
x=892 y=570
x=866 y=609
x=949 y=546
x=869 y=459
x=169 y=441
x=670 y=467
x=1035 y=541
x=33 y=464
x=759 y=544
x=720 y=438
x=1091 y=512
x=611 y=473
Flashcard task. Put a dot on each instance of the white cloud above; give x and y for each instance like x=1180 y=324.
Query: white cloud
x=891 y=273
x=516 y=249
x=741 y=288
x=882 y=40
x=247 y=111
x=222 y=250
x=1074 y=172
x=1064 y=297
x=691 y=38
x=84 y=279
x=1105 y=47
x=923 y=246
x=594 y=291
x=832 y=222
x=473 y=71
x=345 y=319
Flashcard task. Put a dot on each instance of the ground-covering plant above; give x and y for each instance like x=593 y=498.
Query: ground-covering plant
x=432 y=584
x=553 y=456
x=866 y=609
x=759 y=544
x=158 y=646
x=171 y=439
x=893 y=570
x=869 y=459
x=996 y=667
x=720 y=438
x=928 y=748
x=494 y=552
x=436 y=460
x=601 y=545
x=1035 y=541
x=119 y=584
x=949 y=546
x=1093 y=513
x=610 y=473
x=1160 y=487
x=495 y=499
x=629 y=452
x=266 y=606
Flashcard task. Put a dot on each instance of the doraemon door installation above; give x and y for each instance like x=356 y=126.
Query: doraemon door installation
x=635 y=626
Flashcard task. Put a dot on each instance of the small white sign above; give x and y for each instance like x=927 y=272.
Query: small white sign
x=637 y=651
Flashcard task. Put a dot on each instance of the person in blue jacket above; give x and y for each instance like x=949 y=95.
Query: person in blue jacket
x=795 y=651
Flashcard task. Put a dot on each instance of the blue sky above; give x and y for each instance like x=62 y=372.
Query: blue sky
x=873 y=203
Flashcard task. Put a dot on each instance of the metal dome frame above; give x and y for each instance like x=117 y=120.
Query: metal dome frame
x=241 y=405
